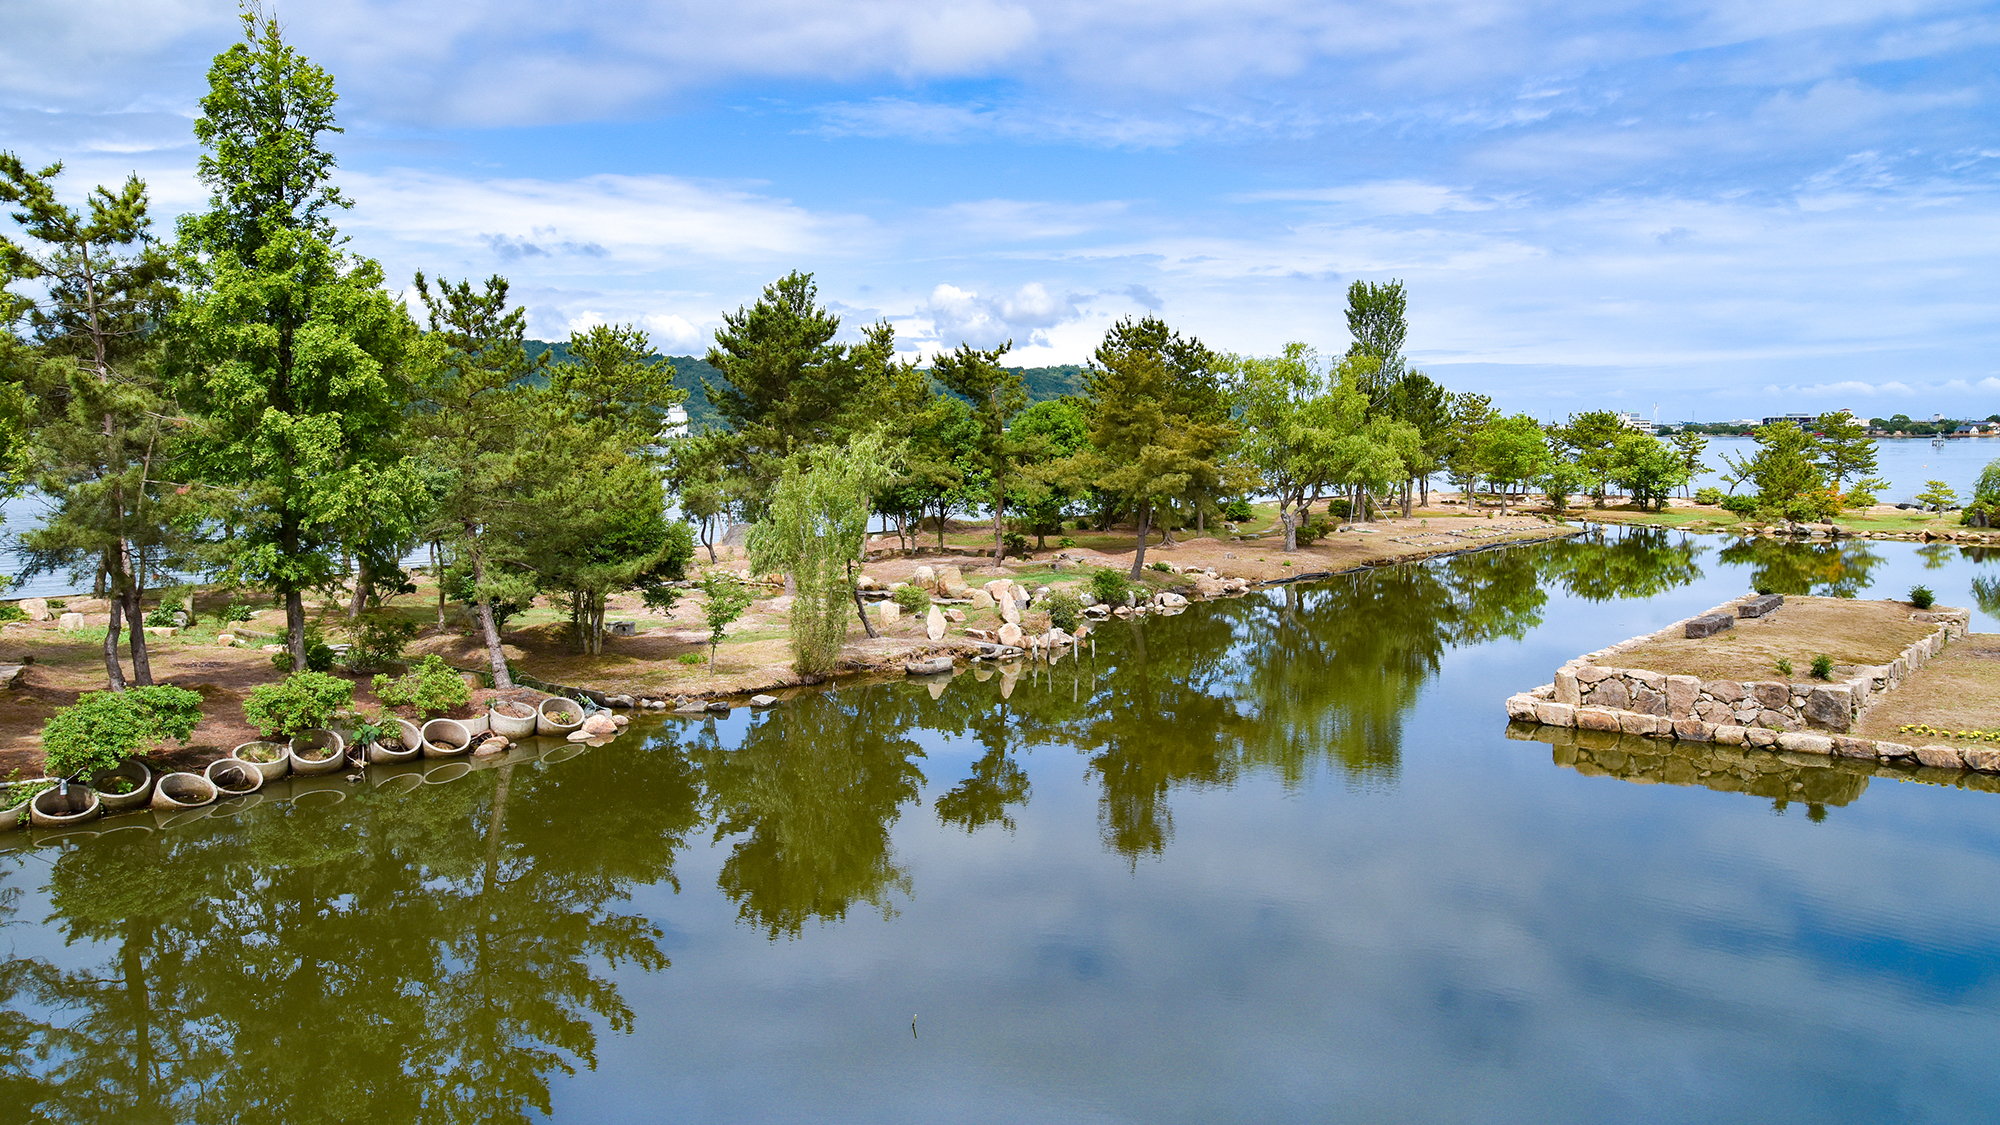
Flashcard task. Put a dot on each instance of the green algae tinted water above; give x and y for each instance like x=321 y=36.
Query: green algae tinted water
x=1273 y=859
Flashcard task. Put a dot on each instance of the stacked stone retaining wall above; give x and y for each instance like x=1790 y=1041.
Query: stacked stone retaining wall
x=1594 y=693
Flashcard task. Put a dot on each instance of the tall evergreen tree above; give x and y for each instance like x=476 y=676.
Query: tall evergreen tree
x=996 y=395
x=1377 y=319
x=288 y=347
x=101 y=440
x=788 y=385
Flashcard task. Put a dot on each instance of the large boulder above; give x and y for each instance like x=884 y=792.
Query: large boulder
x=1167 y=599
x=1010 y=635
x=37 y=609
x=924 y=576
x=980 y=598
x=934 y=624
x=1831 y=706
x=599 y=724
x=1010 y=610
x=888 y=611
x=71 y=621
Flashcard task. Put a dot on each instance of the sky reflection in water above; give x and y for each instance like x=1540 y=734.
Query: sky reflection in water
x=1275 y=859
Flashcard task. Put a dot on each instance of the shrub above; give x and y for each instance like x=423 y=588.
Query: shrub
x=1110 y=586
x=1822 y=667
x=104 y=728
x=379 y=642
x=1065 y=543
x=299 y=701
x=1237 y=510
x=1741 y=505
x=432 y=687
x=11 y=612
x=1163 y=567
x=236 y=612
x=1015 y=542
x=319 y=655
x=1784 y=666
x=58 y=603
x=913 y=599
x=1711 y=496
x=1314 y=530
x=1922 y=597
x=690 y=658
x=1065 y=610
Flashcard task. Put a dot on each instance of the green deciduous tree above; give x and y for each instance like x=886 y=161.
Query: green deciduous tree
x=1646 y=468
x=289 y=349
x=1512 y=451
x=724 y=598
x=1282 y=405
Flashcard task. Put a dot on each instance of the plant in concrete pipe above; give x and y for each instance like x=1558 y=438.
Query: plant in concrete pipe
x=300 y=701
x=432 y=687
x=104 y=728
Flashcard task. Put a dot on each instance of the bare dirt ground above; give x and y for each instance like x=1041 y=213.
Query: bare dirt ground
x=1957 y=691
x=1853 y=632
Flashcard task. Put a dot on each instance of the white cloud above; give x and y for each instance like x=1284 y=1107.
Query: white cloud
x=672 y=333
x=961 y=315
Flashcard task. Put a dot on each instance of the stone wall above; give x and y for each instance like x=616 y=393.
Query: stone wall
x=1593 y=693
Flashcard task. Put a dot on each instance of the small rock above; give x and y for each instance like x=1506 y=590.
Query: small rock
x=579 y=736
x=955 y=615
x=71 y=621
x=981 y=599
x=719 y=707
x=226 y=640
x=934 y=624
x=889 y=612
x=763 y=700
x=1010 y=635
x=622 y=721
x=599 y=724
x=274 y=648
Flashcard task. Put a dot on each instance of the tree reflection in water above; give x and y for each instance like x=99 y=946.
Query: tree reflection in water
x=1829 y=570
x=429 y=958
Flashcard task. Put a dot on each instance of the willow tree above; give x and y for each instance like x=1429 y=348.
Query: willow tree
x=815 y=530
x=289 y=348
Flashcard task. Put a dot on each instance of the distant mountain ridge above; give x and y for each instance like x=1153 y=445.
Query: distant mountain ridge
x=1041 y=383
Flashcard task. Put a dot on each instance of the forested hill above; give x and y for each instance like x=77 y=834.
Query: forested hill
x=1041 y=382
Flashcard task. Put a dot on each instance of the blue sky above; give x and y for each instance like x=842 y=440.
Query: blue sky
x=1716 y=209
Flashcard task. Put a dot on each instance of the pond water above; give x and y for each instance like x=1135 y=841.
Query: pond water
x=1271 y=859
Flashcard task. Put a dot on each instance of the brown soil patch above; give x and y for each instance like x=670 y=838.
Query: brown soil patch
x=1853 y=632
x=1957 y=691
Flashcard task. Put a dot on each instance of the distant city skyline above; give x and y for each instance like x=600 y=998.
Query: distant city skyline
x=1712 y=207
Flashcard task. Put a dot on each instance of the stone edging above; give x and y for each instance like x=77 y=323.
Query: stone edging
x=1804 y=718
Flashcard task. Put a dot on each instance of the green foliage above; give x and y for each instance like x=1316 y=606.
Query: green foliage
x=299 y=702
x=1563 y=479
x=1377 y=321
x=1822 y=667
x=1065 y=543
x=1238 y=510
x=1786 y=473
x=320 y=656
x=913 y=599
x=379 y=641
x=167 y=613
x=236 y=612
x=1066 y=609
x=996 y=395
x=1740 y=505
x=1784 y=666
x=1163 y=567
x=690 y=658
x=11 y=612
x=1647 y=469
x=1015 y=543
x=432 y=687
x=1711 y=496
x=1111 y=587
x=1937 y=496
x=1317 y=528
x=724 y=598
x=289 y=349
x=1846 y=451
x=103 y=728
x=1923 y=597
x=814 y=531
x=1511 y=451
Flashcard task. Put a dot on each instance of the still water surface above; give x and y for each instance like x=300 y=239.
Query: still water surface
x=1274 y=859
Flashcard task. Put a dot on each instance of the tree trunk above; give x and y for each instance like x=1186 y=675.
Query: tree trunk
x=999 y=515
x=502 y=678
x=1290 y=519
x=1139 y=559
x=860 y=607
x=135 y=624
x=295 y=628
x=113 y=673
x=437 y=574
x=1409 y=489
x=708 y=538
x=360 y=588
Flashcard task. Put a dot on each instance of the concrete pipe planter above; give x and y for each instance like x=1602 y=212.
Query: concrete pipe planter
x=475 y=724
x=317 y=751
x=233 y=778
x=16 y=798
x=124 y=787
x=515 y=720
x=178 y=791
x=64 y=805
x=446 y=738
x=269 y=758
x=399 y=743
x=556 y=717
